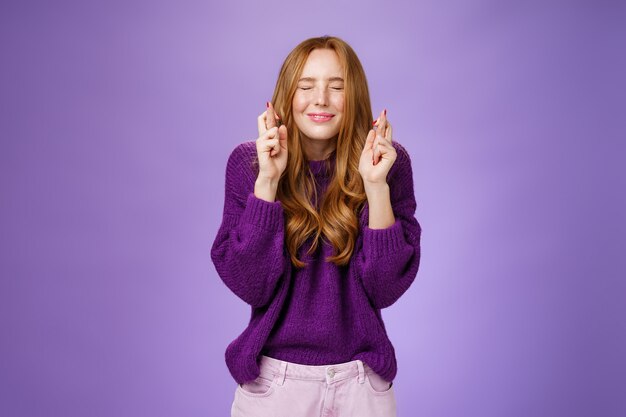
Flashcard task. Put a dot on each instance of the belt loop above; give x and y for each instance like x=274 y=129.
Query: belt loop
x=282 y=372
x=359 y=364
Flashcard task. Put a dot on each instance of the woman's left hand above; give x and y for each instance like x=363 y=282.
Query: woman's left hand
x=378 y=153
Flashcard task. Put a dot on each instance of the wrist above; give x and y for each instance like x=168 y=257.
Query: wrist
x=375 y=187
x=265 y=189
x=266 y=182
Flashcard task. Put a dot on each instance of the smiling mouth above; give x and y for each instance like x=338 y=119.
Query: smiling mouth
x=323 y=117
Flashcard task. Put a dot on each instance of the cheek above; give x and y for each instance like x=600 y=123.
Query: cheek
x=338 y=102
x=298 y=104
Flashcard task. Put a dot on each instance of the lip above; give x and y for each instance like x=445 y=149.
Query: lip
x=320 y=117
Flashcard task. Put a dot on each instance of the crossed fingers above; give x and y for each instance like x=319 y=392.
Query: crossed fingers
x=383 y=137
x=268 y=119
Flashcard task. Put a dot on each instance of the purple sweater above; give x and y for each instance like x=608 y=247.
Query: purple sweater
x=321 y=314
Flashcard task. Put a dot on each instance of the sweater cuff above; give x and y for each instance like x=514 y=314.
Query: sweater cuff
x=380 y=242
x=263 y=213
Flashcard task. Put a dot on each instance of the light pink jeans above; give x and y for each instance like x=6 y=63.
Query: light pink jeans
x=285 y=389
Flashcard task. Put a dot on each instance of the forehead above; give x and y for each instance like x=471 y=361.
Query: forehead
x=322 y=63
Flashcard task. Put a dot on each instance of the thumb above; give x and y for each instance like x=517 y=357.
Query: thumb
x=282 y=135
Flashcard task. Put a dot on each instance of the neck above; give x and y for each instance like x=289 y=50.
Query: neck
x=317 y=149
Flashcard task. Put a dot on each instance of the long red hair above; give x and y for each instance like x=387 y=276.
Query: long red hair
x=337 y=219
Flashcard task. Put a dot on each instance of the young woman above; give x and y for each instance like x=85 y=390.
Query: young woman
x=318 y=235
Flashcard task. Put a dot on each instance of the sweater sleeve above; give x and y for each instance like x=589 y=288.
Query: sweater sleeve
x=388 y=259
x=248 y=248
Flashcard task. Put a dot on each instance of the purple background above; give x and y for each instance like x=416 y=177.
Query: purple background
x=116 y=121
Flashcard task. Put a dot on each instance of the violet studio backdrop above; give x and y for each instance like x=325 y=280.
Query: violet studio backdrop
x=116 y=121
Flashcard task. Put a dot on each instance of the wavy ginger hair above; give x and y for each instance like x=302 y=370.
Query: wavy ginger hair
x=337 y=219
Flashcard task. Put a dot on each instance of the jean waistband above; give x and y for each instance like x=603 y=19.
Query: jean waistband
x=272 y=367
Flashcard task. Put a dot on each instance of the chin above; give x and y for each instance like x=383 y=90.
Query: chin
x=320 y=134
x=320 y=137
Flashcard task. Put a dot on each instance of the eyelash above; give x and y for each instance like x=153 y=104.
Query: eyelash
x=334 y=88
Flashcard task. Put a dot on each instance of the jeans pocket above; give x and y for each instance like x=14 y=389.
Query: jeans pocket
x=377 y=384
x=262 y=386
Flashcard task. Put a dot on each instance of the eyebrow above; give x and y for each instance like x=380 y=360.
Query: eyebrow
x=314 y=79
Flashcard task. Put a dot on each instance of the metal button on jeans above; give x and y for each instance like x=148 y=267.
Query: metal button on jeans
x=331 y=373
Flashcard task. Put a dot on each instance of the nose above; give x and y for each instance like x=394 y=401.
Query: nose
x=321 y=97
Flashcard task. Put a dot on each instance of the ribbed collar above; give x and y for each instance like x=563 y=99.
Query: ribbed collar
x=319 y=168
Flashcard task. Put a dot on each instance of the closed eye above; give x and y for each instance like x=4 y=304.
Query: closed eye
x=309 y=88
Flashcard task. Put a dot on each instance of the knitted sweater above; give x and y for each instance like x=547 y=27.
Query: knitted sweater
x=320 y=314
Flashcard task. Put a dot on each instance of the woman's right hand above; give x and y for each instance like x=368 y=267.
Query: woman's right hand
x=271 y=145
